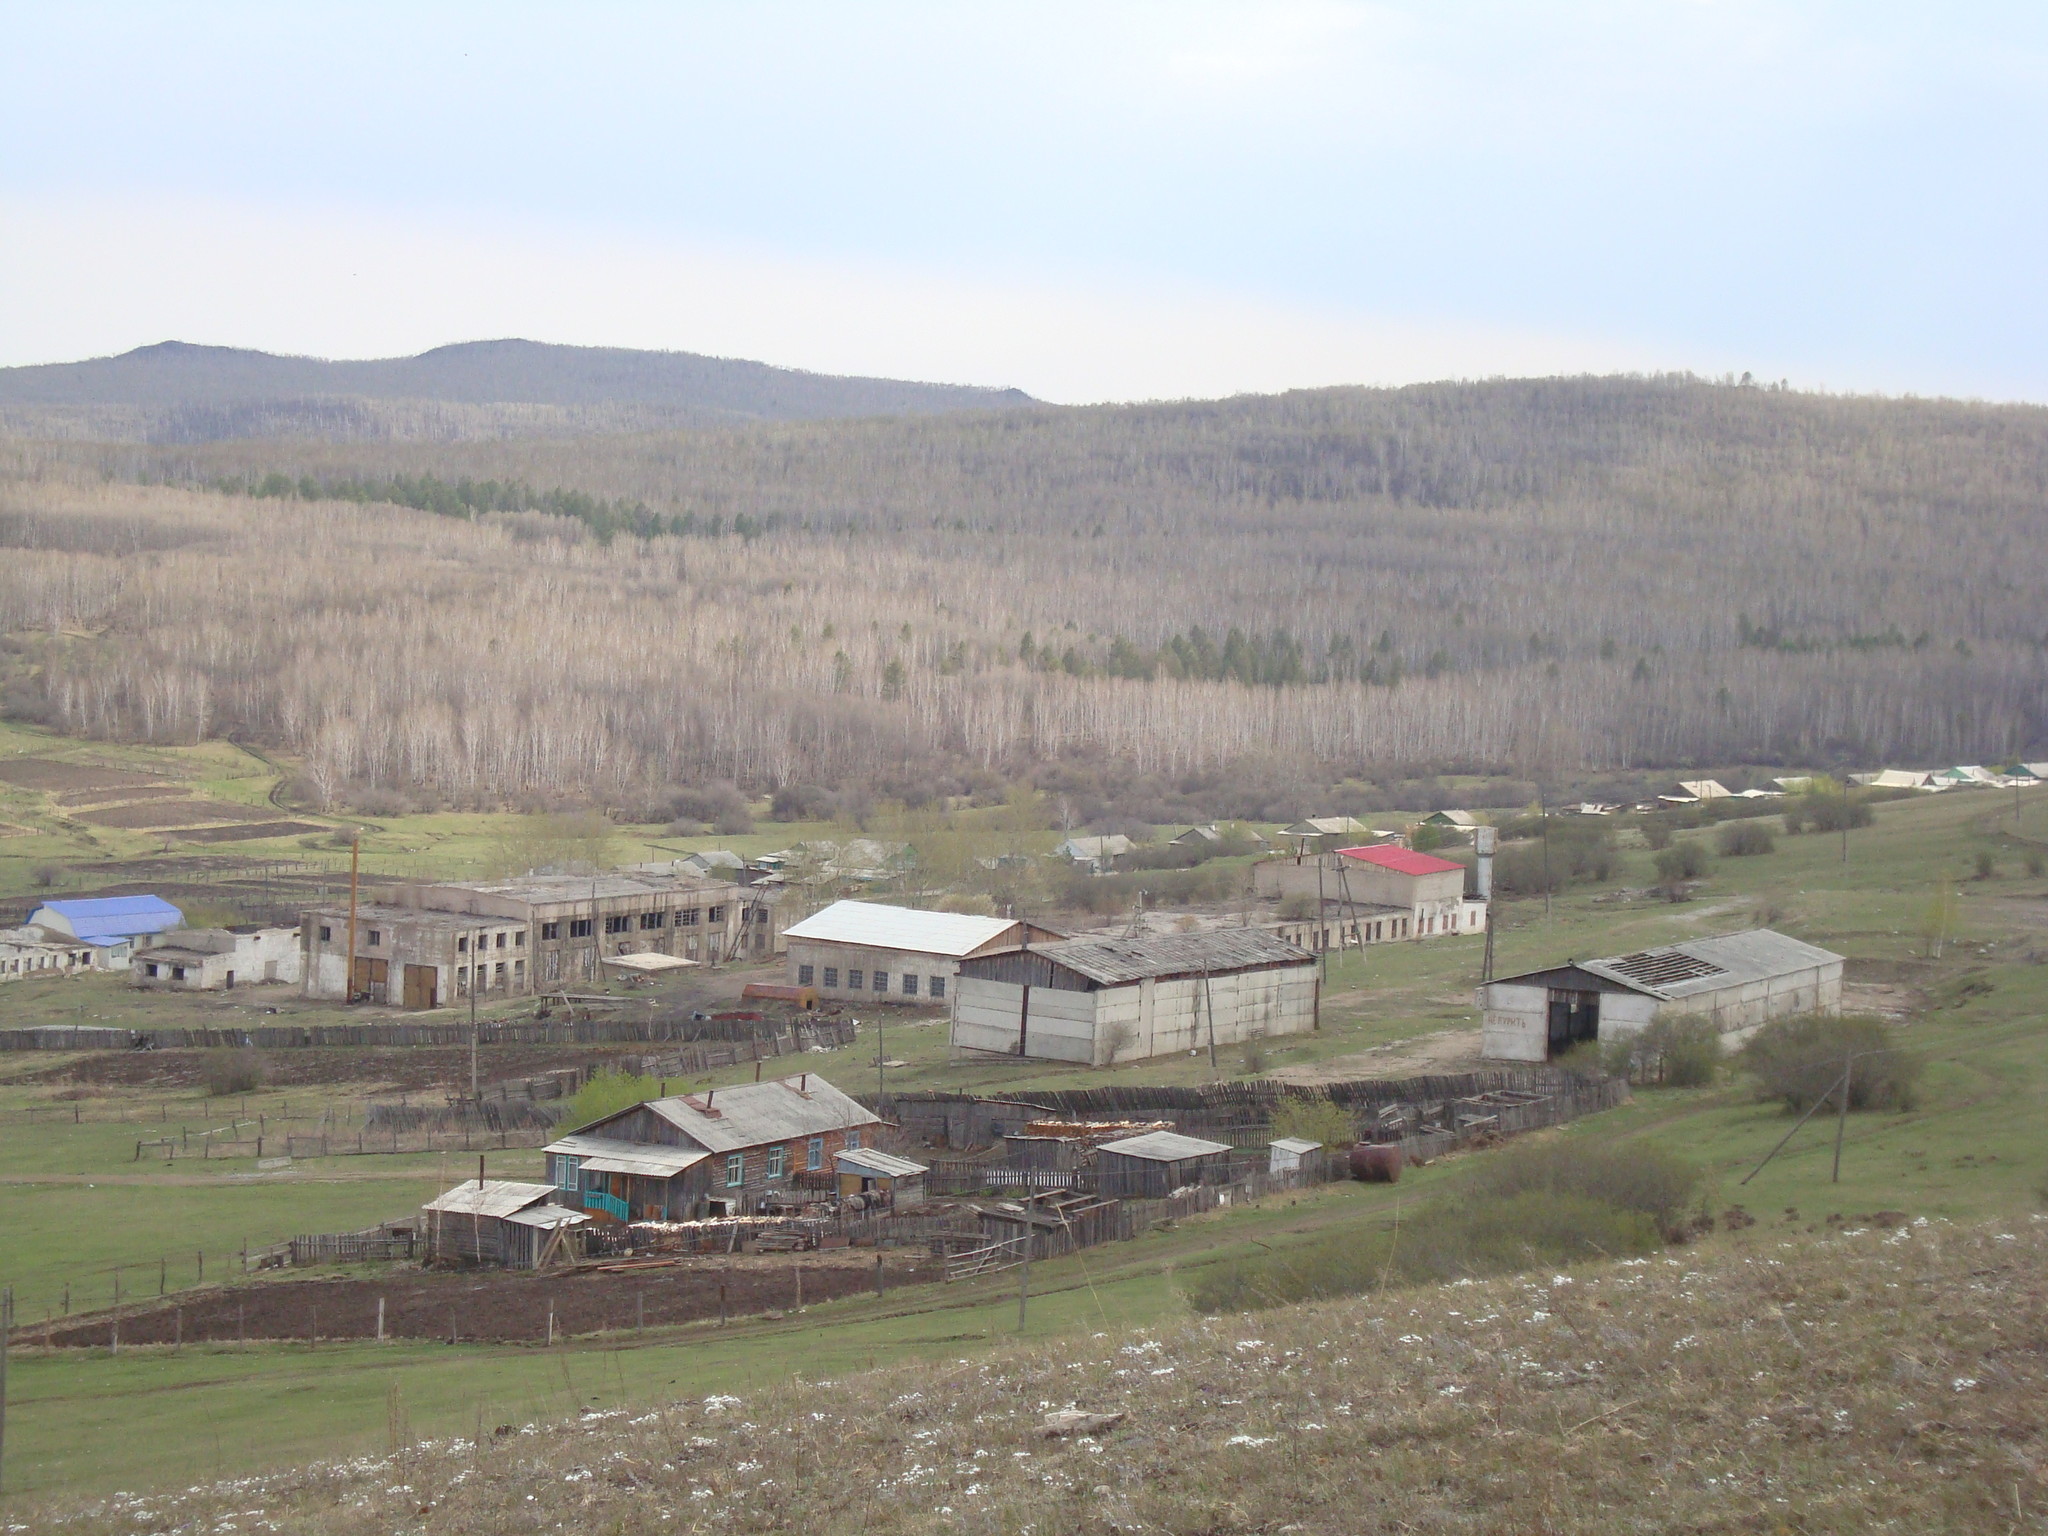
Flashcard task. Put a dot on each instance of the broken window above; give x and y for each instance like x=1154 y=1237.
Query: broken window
x=618 y=924
x=579 y=927
x=652 y=919
x=550 y=931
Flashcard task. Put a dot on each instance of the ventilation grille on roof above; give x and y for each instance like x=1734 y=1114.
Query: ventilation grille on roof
x=1663 y=967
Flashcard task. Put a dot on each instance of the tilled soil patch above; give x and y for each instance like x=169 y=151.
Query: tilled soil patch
x=498 y=1307
x=249 y=832
x=407 y=1068
x=170 y=813
x=43 y=773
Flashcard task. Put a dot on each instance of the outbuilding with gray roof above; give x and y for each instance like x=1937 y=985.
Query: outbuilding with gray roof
x=1741 y=981
x=1100 y=1000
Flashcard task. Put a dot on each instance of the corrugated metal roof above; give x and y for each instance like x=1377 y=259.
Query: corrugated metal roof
x=881 y=1164
x=548 y=1217
x=109 y=919
x=1673 y=971
x=1294 y=1144
x=905 y=928
x=1164 y=1147
x=1402 y=861
x=492 y=1197
x=604 y=1154
x=755 y=1114
x=1326 y=826
x=1215 y=950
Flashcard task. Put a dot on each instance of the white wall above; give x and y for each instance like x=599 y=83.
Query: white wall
x=1137 y=1020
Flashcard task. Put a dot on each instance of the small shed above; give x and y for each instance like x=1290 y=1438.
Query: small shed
x=899 y=1181
x=777 y=992
x=1294 y=1154
x=1153 y=1166
x=497 y=1221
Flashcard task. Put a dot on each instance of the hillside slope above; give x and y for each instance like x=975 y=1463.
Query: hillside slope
x=177 y=392
x=1876 y=1379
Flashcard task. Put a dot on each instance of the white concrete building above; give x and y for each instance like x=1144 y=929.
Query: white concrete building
x=31 y=951
x=1398 y=893
x=1103 y=1000
x=218 y=959
x=864 y=950
x=1739 y=980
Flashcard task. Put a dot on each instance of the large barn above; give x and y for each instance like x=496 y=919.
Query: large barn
x=1103 y=1000
x=1739 y=980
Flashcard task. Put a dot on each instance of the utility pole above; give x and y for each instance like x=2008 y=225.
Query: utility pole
x=1842 y=1115
x=355 y=858
x=6 y=1327
x=475 y=943
x=1543 y=812
x=1024 y=1270
x=878 y=1066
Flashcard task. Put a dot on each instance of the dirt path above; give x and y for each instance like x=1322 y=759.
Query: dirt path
x=1444 y=1050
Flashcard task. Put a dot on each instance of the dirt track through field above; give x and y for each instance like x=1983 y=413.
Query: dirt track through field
x=500 y=1307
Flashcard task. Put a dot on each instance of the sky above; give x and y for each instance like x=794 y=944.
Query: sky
x=1090 y=202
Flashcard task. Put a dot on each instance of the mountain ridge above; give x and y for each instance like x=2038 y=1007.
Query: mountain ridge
x=191 y=391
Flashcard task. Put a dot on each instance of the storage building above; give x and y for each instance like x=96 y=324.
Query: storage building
x=113 y=927
x=1388 y=892
x=895 y=1182
x=863 y=950
x=1739 y=980
x=1102 y=1000
x=1153 y=1166
x=498 y=1221
x=217 y=959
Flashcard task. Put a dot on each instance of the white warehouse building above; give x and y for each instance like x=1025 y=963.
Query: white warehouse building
x=1104 y=1000
x=864 y=950
x=1740 y=980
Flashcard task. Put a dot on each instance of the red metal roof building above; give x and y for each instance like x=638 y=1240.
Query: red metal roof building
x=1402 y=861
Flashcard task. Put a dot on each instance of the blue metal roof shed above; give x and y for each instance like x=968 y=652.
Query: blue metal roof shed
x=108 y=920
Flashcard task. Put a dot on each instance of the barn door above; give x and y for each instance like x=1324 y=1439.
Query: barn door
x=1574 y=1018
x=371 y=979
x=420 y=981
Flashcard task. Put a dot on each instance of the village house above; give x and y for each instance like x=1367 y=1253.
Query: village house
x=31 y=952
x=1098 y=855
x=110 y=927
x=864 y=950
x=1324 y=833
x=425 y=946
x=1740 y=981
x=1102 y=1000
x=217 y=959
x=724 y=1152
x=1373 y=895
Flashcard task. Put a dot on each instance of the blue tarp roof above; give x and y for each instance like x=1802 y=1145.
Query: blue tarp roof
x=109 y=919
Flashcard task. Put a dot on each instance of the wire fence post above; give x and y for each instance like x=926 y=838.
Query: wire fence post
x=1842 y=1115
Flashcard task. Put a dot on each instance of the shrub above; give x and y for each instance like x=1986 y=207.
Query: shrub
x=1681 y=861
x=1826 y=812
x=49 y=874
x=737 y=822
x=1254 y=1055
x=1987 y=866
x=1533 y=1207
x=1799 y=1059
x=606 y=1094
x=1580 y=854
x=1682 y=1052
x=1657 y=832
x=802 y=802
x=1314 y=1120
x=2035 y=865
x=231 y=1071
x=1743 y=839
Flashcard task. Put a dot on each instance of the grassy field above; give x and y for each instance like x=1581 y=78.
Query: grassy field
x=1975 y=1147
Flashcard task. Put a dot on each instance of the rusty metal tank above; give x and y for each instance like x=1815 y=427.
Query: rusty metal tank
x=1376 y=1164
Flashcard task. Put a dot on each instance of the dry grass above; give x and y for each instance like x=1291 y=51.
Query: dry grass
x=1871 y=1380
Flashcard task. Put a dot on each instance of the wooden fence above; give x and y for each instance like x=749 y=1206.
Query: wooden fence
x=378 y=1245
x=267 y=1037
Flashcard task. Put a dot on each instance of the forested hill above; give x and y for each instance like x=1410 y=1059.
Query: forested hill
x=177 y=392
x=1510 y=576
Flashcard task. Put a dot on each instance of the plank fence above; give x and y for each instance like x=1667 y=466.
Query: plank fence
x=779 y=1040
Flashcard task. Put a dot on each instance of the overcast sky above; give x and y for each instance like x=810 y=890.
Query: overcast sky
x=1089 y=202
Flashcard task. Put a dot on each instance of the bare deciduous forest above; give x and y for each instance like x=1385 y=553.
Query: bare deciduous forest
x=1532 y=578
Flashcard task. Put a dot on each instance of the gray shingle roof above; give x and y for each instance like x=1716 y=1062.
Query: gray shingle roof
x=1216 y=950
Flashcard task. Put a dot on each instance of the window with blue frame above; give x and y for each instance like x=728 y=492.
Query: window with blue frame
x=568 y=1172
x=814 y=1159
x=735 y=1170
x=777 y=1158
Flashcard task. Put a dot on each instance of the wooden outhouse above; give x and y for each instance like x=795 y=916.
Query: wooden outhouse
x=1153 y=1166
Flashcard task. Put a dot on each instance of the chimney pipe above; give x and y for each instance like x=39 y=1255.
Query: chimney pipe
x=479 y=1170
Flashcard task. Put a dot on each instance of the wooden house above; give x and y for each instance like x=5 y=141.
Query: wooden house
x=1153 y=1166
x=725 y=1152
